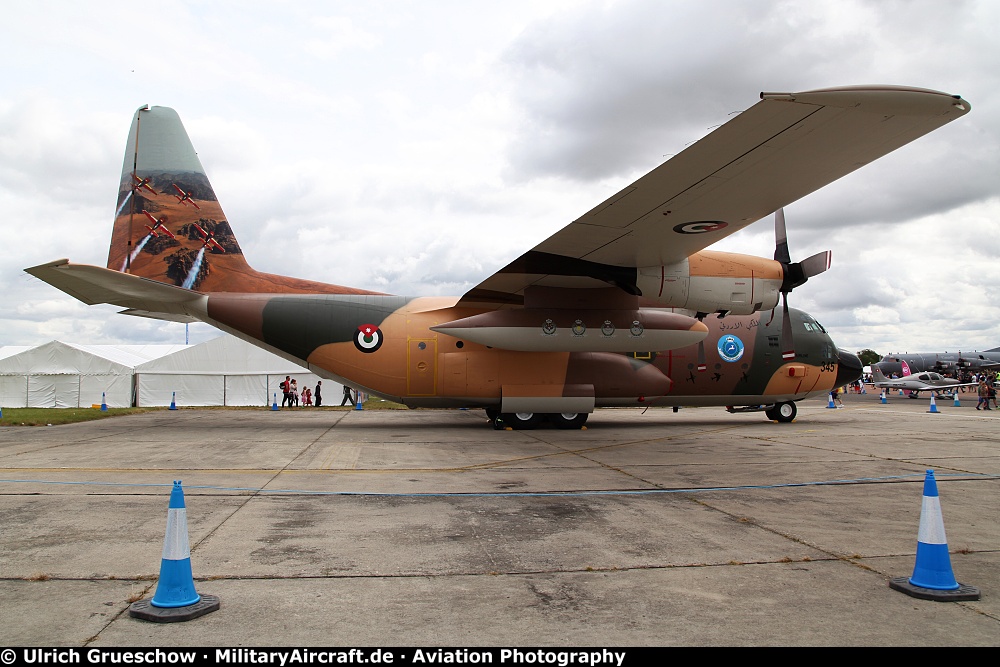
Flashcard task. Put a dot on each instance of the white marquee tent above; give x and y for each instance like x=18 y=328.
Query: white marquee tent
x=221 y=371
x=66 y=375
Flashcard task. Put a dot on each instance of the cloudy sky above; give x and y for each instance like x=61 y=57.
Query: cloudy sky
x=416 y=147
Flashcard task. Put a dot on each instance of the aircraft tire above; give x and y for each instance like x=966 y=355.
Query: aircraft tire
x=783 y=412
x=568 y=420
x=521 y=421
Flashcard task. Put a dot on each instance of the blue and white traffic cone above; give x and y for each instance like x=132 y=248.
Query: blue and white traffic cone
x=958 y=403
x=901 y=392
x=274 y=405
x=104 y=403
x=933 y=405
x=884 y=399
x=176 y=585
x=863 y=390
x=359 y=402
x=932 y=577
x=173 y=401
x=830 y=404
x=176 y=598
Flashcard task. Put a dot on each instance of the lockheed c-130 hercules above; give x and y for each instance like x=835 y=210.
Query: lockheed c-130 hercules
x=622 y=307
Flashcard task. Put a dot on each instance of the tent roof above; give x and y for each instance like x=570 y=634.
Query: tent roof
x=11 y=350
x=56 y=357
x=225 y=354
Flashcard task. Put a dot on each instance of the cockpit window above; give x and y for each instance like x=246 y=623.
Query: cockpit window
x=813 y=326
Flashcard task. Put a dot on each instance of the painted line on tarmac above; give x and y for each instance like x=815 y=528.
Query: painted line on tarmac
x=940 y=412
x=916 y=477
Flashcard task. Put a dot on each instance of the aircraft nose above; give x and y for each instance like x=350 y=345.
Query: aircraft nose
x=849 y=368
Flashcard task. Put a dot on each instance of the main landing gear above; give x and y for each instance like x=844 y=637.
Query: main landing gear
x=523 y=421
x=779 y=412
x=782 y=412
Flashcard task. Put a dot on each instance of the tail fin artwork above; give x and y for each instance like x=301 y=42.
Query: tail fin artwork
x=169 y=225
x=199 y=248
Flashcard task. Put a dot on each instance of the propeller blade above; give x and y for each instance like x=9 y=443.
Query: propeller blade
x=787 y=345
x=817 y=264
x=780 y=238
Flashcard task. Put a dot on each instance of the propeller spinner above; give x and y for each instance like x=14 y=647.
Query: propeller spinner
x=795 y=274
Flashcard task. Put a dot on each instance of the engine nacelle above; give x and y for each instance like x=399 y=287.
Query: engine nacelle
x=711 y=282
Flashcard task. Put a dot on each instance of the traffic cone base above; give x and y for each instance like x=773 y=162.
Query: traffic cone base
x=145 y=610
x=961 y=594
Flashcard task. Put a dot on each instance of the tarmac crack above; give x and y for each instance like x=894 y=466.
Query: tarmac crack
x=257 y=492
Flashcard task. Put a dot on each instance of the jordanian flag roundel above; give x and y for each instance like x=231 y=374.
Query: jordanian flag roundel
x=368 y=338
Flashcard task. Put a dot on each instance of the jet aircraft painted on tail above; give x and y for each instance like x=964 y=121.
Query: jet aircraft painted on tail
x=622 y=307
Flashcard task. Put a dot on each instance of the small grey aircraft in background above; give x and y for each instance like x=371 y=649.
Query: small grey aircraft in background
x=922 y=381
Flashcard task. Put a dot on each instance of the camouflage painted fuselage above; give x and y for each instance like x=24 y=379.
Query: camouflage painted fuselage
x=406 y=361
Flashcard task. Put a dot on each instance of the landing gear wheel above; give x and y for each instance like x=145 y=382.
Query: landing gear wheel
x=782 y=412
x=568 y=420
x=521 y=421
x=492 y=414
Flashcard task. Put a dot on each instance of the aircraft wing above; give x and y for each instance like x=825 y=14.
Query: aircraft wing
x=141 y=296
x=917 y=385
x=777 y=151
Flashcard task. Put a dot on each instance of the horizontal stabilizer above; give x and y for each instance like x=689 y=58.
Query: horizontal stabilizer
x=169 y=317
x=94 y=284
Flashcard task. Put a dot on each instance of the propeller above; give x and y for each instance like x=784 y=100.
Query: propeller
x=795 y=274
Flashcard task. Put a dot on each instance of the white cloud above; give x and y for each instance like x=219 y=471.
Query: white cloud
x=416 y=148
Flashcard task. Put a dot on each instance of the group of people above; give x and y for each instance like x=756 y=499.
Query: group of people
x=292 y=398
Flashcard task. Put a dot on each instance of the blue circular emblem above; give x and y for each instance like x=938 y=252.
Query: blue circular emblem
x=730 y=348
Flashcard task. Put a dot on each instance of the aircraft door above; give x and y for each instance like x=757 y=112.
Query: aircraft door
x=421 y=367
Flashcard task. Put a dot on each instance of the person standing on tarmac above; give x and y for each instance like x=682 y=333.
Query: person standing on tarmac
x=348 y=397
x=984 y=395
x=286 y=388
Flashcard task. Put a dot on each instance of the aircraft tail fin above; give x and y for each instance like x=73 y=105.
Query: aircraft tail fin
x=878 y=375
x=169 y=225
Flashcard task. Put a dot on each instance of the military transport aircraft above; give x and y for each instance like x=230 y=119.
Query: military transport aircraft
x=622 y=307
x=918 y=382
x=942 y=362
